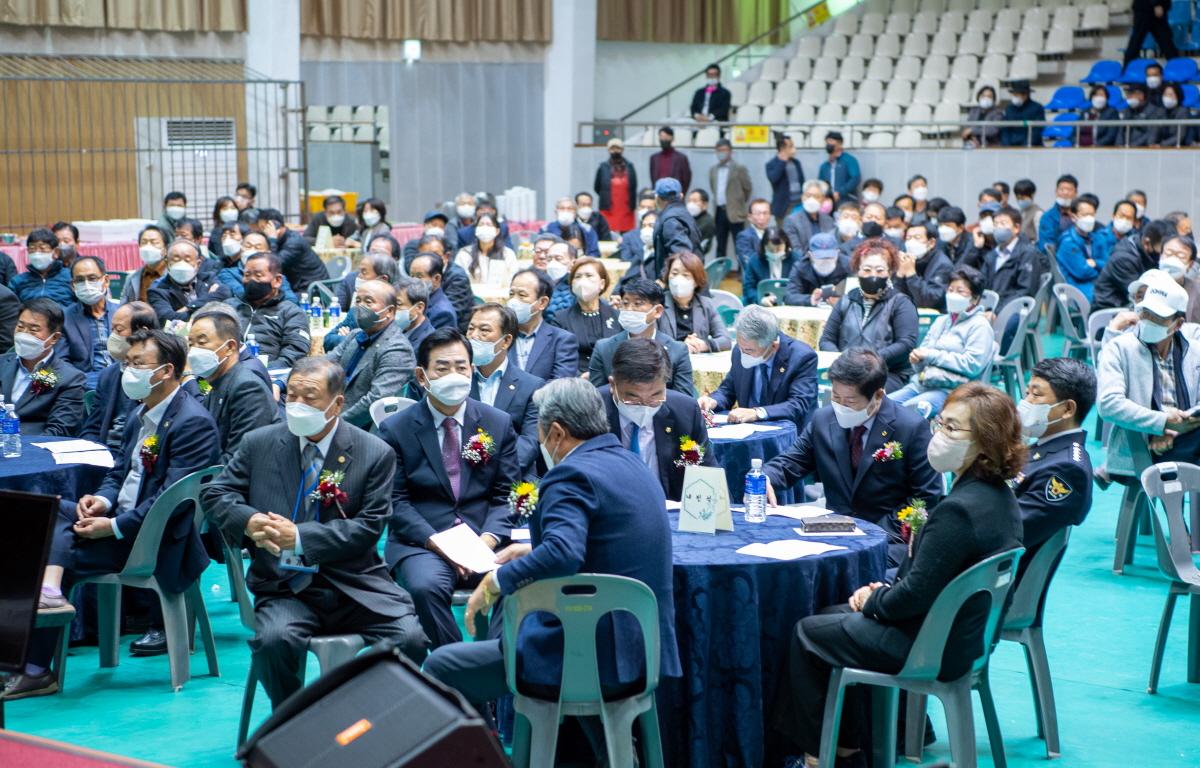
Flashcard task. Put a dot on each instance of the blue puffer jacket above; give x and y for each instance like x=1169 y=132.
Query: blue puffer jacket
x=54 y=284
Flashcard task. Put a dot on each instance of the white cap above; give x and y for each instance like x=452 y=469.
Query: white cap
x=1164 y=298
x=1147 y=277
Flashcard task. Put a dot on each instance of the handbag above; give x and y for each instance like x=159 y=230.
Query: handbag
x=935 y=377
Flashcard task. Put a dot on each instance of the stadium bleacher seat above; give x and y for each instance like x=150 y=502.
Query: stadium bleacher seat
x=907 y=68
x=916 y=44
x=803 y=113
x=927 y=91
x=1136 y=71
x=947 y=112
x=937 y=67
x=1103 y=71
x=888 y=45
x=1024 y=67
x=841 y=92
x=1095 y=18
x=761 y=93
x=1181 y=70
x=889 y=115
x=952 y=23
x=707 y=137
x=1029 y=40
x=870 y=92
x=908 y=138
x=825 y=69
x=774 y=113
x=898 y=92
x=787 y=93
x=1008 y=20
x=1191 y=96
x=994 y=67
x=1116 y=99
x=809 y=47
x=926 y=23
x=859 y=112
x=1000 y=41
x=957 y=90
x=918 y=113
x=846 y=24
x=773 y=69
x=872 y=24
x=880 y=69
x=1066 y=17
x=1059 y=133
x=1060 y=42
x=799 y=68
x=737 y=92
x=971 y=42
x=836 y=46
x=853 y=68
x=814 y=93
x=965 y=66
x=1067 y=97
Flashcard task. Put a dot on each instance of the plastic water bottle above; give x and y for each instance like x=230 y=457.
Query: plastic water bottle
x=10 y=429
x=305 y=304
x=755 y=495
x=314 y=314
x=251 y=345
x=335 y=311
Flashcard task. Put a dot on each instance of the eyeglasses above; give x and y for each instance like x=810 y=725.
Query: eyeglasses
x=937 y=425
x=651 y=404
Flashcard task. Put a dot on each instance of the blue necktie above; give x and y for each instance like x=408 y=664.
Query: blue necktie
x=634 y=442
x=312 y=463
x=356 y=356
x=760 y=386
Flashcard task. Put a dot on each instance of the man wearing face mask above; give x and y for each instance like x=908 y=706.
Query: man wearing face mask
x=895 y=221
x=1140 y=109
x=1021 y=107
x=315 y=562
x=815 y=278
x=440 y=312
x=711 y=101
x=1014 y=267
x=174 y=212
x=541 y=349
x=748 y=242
x=637 y=245
x=849 y=226
x=95 y=535
x=436 y=225
x=801 y=225
x=675 y=229
x=837 y=445
x=697 y=208
x=560 y=258
x=87 y=324
x=183 y=291
x=1054 y=489
x=105 y=422
x=440 y=482
x=923 y=271
x=44 y=275
x=378 y=360
x=786 y=177
x=773 y=376
x=641 y=306
x=491 y=333
x=566 y=214
x=412 y=296
x=68 y=242
x=731 y=189
x=47 y=390
x=874 y=214
x=590 y=217
x=233 y=276
x=238 y=399
x=1132 y=256
x=333 y=214
x=840 y=171
x=1057 y=218
x=280 y=327
x=1179 y=261
x=668 y=163
x=301 y=264
x=956 y=242
x=649 y=419
x=10 y=308
x=1083 y=249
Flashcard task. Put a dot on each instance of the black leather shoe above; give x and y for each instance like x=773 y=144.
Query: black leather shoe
x=28 y=686
x=153 y=643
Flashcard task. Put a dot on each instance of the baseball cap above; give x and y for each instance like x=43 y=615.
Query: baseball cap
x=823 y=245
x=1165 y=298
x=1018 y=86
x=615 y=142
x=665 y=187
x=435 y=215
x=1147 y=277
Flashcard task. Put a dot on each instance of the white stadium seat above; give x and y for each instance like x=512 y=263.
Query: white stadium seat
x=319 y=132
x=1008 y=19
x=953 y=22
x=683 y=137
x=927 y=91
x=898 y=92
x=859 y=112
x=971 y=42
x=1066 y=17
x=904 y=6
x=799 y=68
x=958 y=90
x=737 y=93
x=316 y=114
x=918 y=113
x=836 y=46
x=803 y=113
x=965 y=66
x=774 y=113
x=773 y=69
x=748 y=114
x=979 y=20
x=862 y=45
x=1036 y=18
x=342 y=113
x=915 y=44
x=1059 y=40
x=932 y=7
x=888 y=114
x=831 y=113
x=1029 y=40
x=936 y=67
x=1024 y=67
x=341 y=134
x=787 y=93
x=846 y=24
x=707 y=137
x=761 y=93
x=1095 y=17
x=878 y=7
x=960 y=6
x=881 y=140
x=841 y=92
x=925 y=22
x=899 y=23
x=364 y=114
x=908 y=138
x=825 y=69
x=994 y=67
x=1022 y=5
x=908 y=68
x=870 y=91
x=814 y=93
x=809 y=47
x=1000 y=41
x=853 y=68
x=944 y=44
x=887 y=45
x=880 y=68
x=872 y=24
x=993 y=5
x=364 y=133
x=947 y=112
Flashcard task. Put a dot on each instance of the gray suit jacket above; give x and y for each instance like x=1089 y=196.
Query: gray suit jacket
x=681 y=362
x=738 y=189
x=240 y=402
x=341 y=543
x=385 y=369
x=706 y=323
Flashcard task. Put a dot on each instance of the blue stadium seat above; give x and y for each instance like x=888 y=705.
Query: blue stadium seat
x=1191 y=96
x=1180 y=13
x=1136 y=71
x=1104 y=71
x=1061 y=133
x=1116 y=99
x=1068 y=97
x=1181 y=70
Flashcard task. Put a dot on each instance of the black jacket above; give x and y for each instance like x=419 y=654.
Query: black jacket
x=674 y=231
x=718 y=103
x=1125 y=264
x=280 y=328
x=10 y=310
x=1141 y=135
x=927 y=288
x=172 y=301
x=301 y=264
x=803 y=280
x=603 y=185
x=348 y=229
x=1018 y=276
x=890 y=330
x=239 y=402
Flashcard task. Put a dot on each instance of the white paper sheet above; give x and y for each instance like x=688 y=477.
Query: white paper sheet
x=787 y=549
x=720 y=418
x=101 y=458
x=800 y=511
x=520 y=534
x=463 y=546
x=738 y=431
x=673 y=506
x=71 y=446
x=856 y=532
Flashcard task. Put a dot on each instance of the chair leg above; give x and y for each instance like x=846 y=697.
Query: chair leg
x=650 y=737
x=1126 y=528
x=1037 y=704
x=174 y=609
x=885 y=707
x=60 y=656
x=231 y=569
x=914 y=726
x=1044 y=690
x=1193 y=654
x=832 y=720
x=198 y=610
x=544 y=719
x=995 y=739
x=617 y=719
x=520 y=741
x=1164 y=627
x=108 y=619
x=960 y=723
x=247 y=704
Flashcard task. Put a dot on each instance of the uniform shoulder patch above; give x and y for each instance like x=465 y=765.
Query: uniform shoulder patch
x=1057 y=489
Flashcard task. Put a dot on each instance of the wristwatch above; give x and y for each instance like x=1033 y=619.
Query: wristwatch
x=761 y=413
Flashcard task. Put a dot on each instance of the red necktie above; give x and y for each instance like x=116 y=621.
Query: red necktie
x=856 y=445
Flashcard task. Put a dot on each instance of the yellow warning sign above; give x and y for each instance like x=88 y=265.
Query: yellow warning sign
x=750 y=135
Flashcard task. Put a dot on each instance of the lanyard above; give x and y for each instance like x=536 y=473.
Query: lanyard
x=302 y=492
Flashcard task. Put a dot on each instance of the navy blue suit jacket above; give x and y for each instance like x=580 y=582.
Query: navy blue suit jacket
x=515 y=397
x=555 y=353
x=781 y=193
x=879 y=489
x=187 y=442
x=79 y=334
x=791 y=390
x=440 y=311
x=110 y=401
x=679 y=417
x=422 y=504
x=599 y=511
x=57 y=411
x=1054 y=489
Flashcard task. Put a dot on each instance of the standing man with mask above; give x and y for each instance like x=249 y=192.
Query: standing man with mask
x=641 y=306
x=668 y=163
x=732 y=188
x=543 y=350
x=711 y=102
x=616 y=186
x=456 y=463
x=840 y=171
x=183 y=291
x=675 y=230
x=46 y=389
x=492 y=333
x=786 y=177
x=280 y=327
x=801 y=225
x=88 y=323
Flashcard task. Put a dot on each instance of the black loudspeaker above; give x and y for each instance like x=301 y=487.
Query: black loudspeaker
x=377 y=711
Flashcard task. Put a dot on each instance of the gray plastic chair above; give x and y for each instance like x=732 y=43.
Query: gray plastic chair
x=139 y=572
x=1073 y=312
x=1007 y=364
x=330 y=650
x=920 y=673
x=1133 y=514
x=1170 y=483
x=579 y=602
x=989 y=300
x=58 y=618
x=1043 y=306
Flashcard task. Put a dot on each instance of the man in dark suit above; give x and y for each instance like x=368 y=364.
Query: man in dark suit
x=105 y=423
x=542 y=349
x=174 y=437
x=301 y=264
x=439 y=311
x=749 y=241
x=178 y=294
x=412 y=296
x=47 y=390
x=492 y=331
x=711 y=103
x=316 y=569
x=237 y=398
x=675 y=229
x=10 y=308
x=597 y=512
x=650 y=420
x=1014 y=267
x=641 y=306
x=924 y=269
x=772 y=376
x=803 y=224
x=1054 y=489
x=840 y=448
x=444 y=479
x=87 y=324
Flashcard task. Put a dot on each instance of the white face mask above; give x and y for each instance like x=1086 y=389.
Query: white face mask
x=1064 y=202
x=894 y=232
x=987 y=226
x=28 y=346
x=482 y=352
x=642 y=415
x=847 y=228
x=987 y=103
x=824 y=267
x=40 y=260
x=523 y=311
x=546 y=456
x=203 y=362
x=486 y=234
x=465 y=211
x=1018 y=101
x=585 y=213
x=870 y=195
x=586 y=288
x=150 y=255
x=336 y=220
x=1140 y=209
x=1122 y=226
x=694 y=209
x=564 y=218
x=370 y=218
x=947 y=234
x=231 y=247
x=182 y=272
x=916 y=248
x=1172 y=266
x=920 y=194
x=1152 y=333
x=849 y=418
x=1099 y=103
x=135 y=382
x=947 y=454
x=90 y=293
x=750 y=361
x=246 y=256
x=633 y=321
x=1170 y=102
x=303 y=420
x=682 y=286
x=956 y=302
x=557 y=270
x=811 y=204
x=1153 y=81
x=228 y=215
x=647 y=235
x=1086 y=223
x=1034 y=417
x=175 y=212
x=450 y=389
x=117 y=346
x=438 y=232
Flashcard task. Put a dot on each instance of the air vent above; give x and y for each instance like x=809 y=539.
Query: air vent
x=200 y=133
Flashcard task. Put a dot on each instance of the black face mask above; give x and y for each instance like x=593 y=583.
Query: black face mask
x=664 y=143
x=830 y=149
x=256 y=291
x=872 y=285
x=872 y=229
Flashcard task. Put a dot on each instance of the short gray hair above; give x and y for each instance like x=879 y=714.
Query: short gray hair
x=573 y=403
x=813 y=184
x=758 y=324
x=416 y=291
x=383 y=265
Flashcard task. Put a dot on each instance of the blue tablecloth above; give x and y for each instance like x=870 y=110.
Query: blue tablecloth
x=735 y=456
x=734 y=615
x=34 y=471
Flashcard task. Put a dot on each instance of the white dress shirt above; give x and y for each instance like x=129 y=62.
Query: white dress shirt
x=489 y=386
x=127 y=497
x=24 y=376
x=646 y=450
x=722 y=182
x=1004 y=253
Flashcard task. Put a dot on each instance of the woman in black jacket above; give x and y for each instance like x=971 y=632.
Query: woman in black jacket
x=875 y=315
x=979 y=440
x=1098 y=136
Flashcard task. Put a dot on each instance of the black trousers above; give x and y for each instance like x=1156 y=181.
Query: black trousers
x=431 y=581
x=1159 y=28
x=726 y=230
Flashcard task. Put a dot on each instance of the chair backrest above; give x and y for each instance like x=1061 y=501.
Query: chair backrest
x=717 y=269
x=772 y=285
x=1021 y=307
x=1096 y=323
x=326 y=290
x=579 y=602
x=1041 y=300
x=1170 y=483
x=1029 y=596
x=989 y=300
x=993 y=576
x=725 y=298
x=143 y=557
x=386 y=407
x=89 y=401
x=1074 y=309
x=338 y=266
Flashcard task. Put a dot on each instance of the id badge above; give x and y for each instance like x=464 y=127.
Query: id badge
x=290 y=562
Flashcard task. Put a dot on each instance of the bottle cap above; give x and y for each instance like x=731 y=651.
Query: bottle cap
x=755 y=463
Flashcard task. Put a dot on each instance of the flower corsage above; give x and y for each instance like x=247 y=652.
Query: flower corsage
x=329 y=491
x=149 y=453
x=691 y=453
x=43 y=380
x=478 y=450
x=522 y=500
x=889 y=452
x=912 y=518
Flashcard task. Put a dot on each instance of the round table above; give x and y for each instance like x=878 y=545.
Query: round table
x=735 y=455
x=34 y=471
x=734 y=616
x=803 y=323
